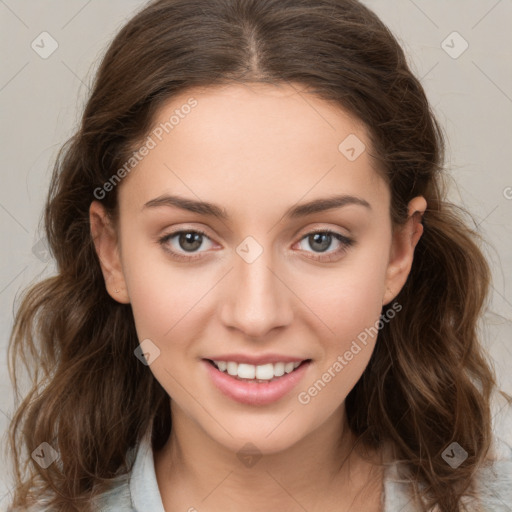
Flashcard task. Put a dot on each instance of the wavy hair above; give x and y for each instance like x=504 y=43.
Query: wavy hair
x=428 y=381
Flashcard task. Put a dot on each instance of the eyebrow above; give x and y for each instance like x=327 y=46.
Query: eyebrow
x=212 y=210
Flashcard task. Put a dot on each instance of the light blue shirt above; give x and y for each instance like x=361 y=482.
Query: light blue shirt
x=139 y=492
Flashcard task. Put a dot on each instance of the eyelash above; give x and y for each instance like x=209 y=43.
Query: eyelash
x=345 y=243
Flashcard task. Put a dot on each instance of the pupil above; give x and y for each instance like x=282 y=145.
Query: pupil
x=326 y=240
x=193 y=238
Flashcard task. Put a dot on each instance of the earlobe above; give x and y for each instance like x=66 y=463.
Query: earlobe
x=105 y=241
x=404 y=241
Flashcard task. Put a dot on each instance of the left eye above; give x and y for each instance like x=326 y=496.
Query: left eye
x=322 y=240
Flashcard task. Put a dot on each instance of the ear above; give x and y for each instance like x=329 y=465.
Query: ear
x=105 y=240
x=404 y=241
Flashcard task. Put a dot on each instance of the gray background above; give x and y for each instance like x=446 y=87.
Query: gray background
x=41 y=100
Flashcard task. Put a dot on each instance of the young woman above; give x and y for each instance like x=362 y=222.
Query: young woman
x=263 y=299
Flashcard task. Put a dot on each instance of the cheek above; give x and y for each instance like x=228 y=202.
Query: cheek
x=163 y=295
x=347 y=299
x=351 y=308
x=349 y=302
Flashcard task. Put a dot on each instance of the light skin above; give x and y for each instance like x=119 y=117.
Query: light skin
x=257 y=151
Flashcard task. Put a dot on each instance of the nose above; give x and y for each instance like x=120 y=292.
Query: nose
x=257 y=299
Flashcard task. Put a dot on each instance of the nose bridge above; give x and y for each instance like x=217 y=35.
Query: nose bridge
x=257 y=300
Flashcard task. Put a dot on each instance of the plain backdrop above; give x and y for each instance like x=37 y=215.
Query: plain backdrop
x=460 y=49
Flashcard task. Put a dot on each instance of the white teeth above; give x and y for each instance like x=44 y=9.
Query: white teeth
x=265 y=371
x=261 y=372
x=221 y=365
x=232 y=368
x=246 y=371
x=278 y=369
x=288 y=367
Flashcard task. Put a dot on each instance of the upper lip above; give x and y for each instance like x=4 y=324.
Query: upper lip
x=257 y=360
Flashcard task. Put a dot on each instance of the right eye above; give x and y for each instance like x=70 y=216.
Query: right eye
x=187 y=241
x=320 y=237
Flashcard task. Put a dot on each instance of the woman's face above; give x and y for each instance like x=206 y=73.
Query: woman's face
x=255 y=169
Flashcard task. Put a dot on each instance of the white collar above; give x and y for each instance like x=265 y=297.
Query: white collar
x=144 y=491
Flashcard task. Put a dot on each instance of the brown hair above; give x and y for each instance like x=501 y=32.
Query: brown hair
x=427 y=383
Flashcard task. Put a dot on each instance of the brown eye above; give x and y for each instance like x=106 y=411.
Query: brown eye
x=321 y=241
x=190 y=241
x=179 y=243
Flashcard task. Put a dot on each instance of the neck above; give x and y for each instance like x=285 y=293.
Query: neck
x=194 y=470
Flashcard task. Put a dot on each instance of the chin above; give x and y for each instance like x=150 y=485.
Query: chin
x=267 y=434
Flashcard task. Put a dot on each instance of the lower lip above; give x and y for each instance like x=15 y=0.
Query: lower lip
x=255 y=393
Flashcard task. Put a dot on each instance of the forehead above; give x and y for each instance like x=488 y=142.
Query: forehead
x=263 y=143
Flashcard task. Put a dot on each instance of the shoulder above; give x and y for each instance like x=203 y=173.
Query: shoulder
x=116 y=499
x=132 y=491
x=137 y=489
x=493 y=481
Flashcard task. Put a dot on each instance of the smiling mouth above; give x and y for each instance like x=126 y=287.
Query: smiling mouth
x=263 y=373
